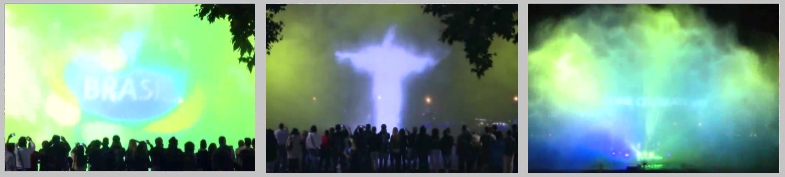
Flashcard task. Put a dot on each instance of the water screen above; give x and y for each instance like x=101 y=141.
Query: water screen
x=138 y=71
x=622 y=85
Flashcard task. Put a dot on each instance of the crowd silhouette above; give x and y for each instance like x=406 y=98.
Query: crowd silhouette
x=57 y=154
x=367 y=149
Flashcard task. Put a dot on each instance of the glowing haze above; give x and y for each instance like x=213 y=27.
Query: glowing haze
x=586 y=72
x=388 y=64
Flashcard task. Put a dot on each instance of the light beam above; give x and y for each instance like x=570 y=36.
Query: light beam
x=388 y=64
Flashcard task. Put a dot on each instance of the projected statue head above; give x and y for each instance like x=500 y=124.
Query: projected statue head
x=387 y=64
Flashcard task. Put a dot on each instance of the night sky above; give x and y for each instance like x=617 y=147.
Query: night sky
x=302 y=67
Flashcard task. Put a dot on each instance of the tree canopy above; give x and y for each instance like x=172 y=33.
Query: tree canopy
x=475 y=25
x=242 y=26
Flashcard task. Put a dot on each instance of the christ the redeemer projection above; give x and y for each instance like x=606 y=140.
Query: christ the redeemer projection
x=388 y=64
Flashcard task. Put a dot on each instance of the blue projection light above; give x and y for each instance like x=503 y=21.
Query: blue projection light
x=388 y=64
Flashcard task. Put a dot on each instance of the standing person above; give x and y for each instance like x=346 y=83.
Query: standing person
x=324 y=151
x=312 y=147
x=338 y=148
x=395 y=150
x=94 y=156
x=447 y=143
x=435 y=155
x=294 y=150
x=23 y=153
x=404 y=152
x=203 y=158
x=10 y=158
x=375 y=147
x=463 y=149
x=413 y=146
x=486 y=141
x=496 y=154
x=509 y=151
x=247 y=156
x=60 y=148
x=222 y=156
x=189 y=157
x=141 y=158
x=79 y=159
x=282 y=136
x=129 y=154
x=384 y=152
x=272 y=152
x=476 y=147
x=175 y=157
x=424 y=142
x=515 y=157
x=119 y=154
x=157 y=154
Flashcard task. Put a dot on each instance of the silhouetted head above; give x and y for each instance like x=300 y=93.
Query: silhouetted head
x=94 y=145
x=240 y=143
x=22 y=143
x=464 y=129
x=9 y=147
x=173 y=142
x=141 y=148
x=423 y=130
x=44 y=144
x=327 y=133
x=295 y=132
x=447 y=132
x=313 y=128
x=212 y=147
x=203 y=144
x=367 y=126
x=159 y=142
x=247 y=141
x=495 y=128
x=189 y=147
x=384 y=127
x=373 y=129
x=105 y=142
x=509 y=133
x=132 y=144
x=337 y=127
x=55 y=140
x=222 y=141
x=435 y=132
x=488 y=130
x=394 y=132
x=332 y=130
x=281 y=126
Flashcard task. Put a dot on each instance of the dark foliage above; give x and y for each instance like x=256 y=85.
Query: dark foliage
x=242 y=21
x=476 y=25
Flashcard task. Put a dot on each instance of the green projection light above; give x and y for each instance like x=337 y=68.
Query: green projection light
x=140 y=71
x=647 y=156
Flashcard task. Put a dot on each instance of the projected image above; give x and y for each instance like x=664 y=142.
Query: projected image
x=128 y=73
x=374 y=75
x=685 y=88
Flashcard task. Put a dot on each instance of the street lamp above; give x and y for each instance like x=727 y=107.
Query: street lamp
x=428 y=100
x=515 y=98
